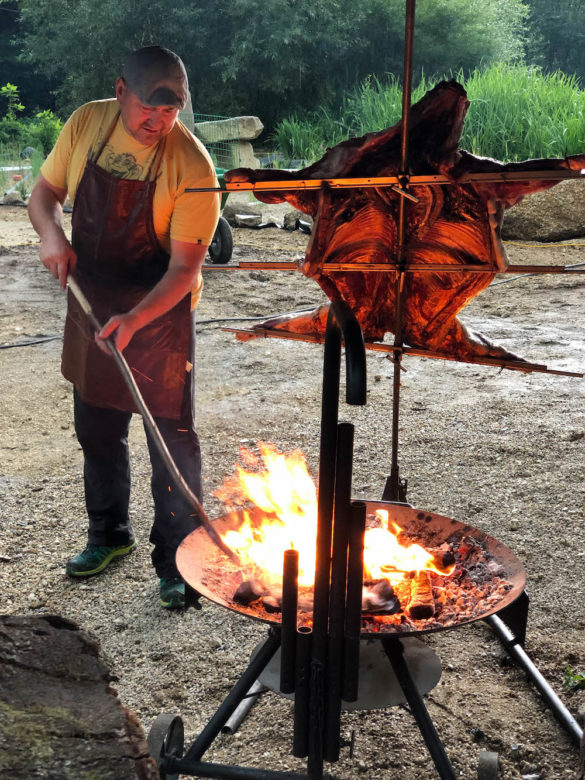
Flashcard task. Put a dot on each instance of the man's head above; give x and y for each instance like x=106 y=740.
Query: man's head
x=151 y=90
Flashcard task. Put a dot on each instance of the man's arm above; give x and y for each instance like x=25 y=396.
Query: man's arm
x=182 y=273
x=45 y=210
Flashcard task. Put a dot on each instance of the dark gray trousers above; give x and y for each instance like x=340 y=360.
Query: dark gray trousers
x=103 y=436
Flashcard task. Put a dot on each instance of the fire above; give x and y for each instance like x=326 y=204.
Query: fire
x=281 y=490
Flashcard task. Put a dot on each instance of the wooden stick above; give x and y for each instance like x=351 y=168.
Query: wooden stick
x=422 y=603
x=375 y=346
x=152 y=426
x=327 y=268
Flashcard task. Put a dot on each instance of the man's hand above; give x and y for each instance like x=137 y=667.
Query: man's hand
x=58 y=257
x=120 y=328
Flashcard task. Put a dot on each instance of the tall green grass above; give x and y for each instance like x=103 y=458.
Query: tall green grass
x=515 y=113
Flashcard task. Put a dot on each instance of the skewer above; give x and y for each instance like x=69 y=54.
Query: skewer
x=391 y=181
x=293 y=265
x=151 y=425
x=513 y=365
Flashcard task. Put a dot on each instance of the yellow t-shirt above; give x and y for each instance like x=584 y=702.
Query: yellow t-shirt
x=179 y=215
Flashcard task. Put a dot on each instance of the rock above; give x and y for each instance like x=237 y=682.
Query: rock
x=239 y=214
x=557 y=214
x=58 y=709
x=13 y=199
x=237 y=128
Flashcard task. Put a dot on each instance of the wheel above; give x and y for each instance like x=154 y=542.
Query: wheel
x=166 y=738
x=221 y=247
x=488 y=765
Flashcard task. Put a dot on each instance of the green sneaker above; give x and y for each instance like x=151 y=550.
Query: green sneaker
x=95 y=558
x=172 y=592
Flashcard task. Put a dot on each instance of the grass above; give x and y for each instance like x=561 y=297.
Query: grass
x=515 y=113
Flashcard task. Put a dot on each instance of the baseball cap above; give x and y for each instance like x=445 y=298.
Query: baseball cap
x=157 y=77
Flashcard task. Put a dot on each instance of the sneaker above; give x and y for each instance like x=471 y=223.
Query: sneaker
x=95 y=558
x=172 y=592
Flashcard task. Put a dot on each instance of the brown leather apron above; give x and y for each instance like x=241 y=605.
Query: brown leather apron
x=119 y=260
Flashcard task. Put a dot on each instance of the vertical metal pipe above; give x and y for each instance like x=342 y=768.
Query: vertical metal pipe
x=395 y=652
x=301 y=709
x=353 y=615
x=334 y=670
x=290 y=578
x=392 y=491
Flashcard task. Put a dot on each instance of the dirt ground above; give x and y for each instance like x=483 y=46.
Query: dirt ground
x=500 y=450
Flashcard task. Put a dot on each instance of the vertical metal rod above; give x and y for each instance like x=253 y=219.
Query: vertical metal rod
x=334 y=670
x=290 y=577
x=353 y=615
x=301 y=710
x=394 y=651
x=392 y=490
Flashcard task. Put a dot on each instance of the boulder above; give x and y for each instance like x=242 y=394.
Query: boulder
x=557 y=214
x=237 y=128
x=13 y=199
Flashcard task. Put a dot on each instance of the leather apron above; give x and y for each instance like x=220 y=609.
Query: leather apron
x=119 y=260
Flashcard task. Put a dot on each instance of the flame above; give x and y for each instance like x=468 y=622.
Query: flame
x=281 y=490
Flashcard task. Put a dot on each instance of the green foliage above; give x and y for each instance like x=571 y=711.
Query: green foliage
x=556 y=35
x=10 y=94
x=268 y=59
x=573 y=680
x=515 y=113
x=40 y=131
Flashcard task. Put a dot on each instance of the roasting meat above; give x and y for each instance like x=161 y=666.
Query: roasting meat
x=455 y=223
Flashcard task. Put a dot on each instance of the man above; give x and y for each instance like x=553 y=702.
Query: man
x=138 y=242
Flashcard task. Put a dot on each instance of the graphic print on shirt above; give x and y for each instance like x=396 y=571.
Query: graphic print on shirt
x=123 y=166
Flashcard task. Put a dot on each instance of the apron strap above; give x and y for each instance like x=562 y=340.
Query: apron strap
x=95 y=157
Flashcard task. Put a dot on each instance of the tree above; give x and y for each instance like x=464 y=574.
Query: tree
x=557 y=35
x=34 y=88
x=269 y=59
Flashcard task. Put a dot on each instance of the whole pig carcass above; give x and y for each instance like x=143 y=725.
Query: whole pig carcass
x=454 y=223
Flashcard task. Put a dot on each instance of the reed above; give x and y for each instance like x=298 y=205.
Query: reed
x=515 y=113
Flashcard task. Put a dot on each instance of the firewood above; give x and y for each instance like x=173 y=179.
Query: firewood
x=422 y=603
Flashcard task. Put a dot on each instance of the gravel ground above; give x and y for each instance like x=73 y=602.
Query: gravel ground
x=502 y=451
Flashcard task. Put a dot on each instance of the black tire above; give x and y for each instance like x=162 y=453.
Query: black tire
x=166 y=738
x=222 y=245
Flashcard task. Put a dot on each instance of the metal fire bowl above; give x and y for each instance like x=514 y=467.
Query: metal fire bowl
x=207 y=569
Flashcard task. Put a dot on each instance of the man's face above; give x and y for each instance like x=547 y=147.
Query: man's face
x=147 y=124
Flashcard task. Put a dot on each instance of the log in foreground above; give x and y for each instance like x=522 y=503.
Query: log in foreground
x=454 y=223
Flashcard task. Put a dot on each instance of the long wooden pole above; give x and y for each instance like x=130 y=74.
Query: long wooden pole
x=152 y=426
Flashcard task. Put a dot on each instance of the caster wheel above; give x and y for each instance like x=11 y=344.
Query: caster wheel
x=166 y=738
x=488 y=766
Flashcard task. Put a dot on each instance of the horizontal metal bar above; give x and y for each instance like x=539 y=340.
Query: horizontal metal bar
x=276 y=265
x=391 y=181
x=512 y=365
x=226 y=772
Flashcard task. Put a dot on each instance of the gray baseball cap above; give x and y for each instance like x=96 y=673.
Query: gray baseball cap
x=157 y=77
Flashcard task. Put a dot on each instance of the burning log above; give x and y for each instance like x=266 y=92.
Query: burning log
x=422 y=603
x=457 y=223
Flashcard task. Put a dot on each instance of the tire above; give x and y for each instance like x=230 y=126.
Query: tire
x=222 y=245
